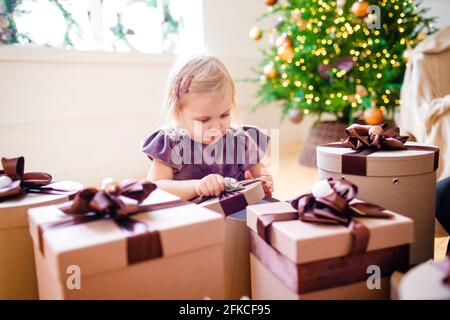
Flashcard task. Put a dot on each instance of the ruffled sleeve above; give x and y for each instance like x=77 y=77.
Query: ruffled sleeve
x=254 y=142
x=160 y=145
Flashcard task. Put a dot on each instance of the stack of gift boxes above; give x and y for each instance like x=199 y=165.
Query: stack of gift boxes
x=370 y=215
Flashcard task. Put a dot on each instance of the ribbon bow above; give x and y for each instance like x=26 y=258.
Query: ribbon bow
x=374 y=137
x=119 y=201
x=21 y=182
x=336 y=207
x=345 y=63
x=231 y=200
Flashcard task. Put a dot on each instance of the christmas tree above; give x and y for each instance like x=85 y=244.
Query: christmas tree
x=338 y=57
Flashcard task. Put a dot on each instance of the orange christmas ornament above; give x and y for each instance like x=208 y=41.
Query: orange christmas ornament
x=373 y=116
x=255 y=33
x=359 y=8
x=270 y=71
x=271 y=2
x=283 y=40
x=286 y=53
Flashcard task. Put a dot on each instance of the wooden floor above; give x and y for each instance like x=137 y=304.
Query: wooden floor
x=293 y=179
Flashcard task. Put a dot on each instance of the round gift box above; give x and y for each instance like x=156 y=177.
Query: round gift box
x=402 y=181
x=425 y=282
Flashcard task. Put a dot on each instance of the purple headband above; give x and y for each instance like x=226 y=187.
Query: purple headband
x=186 y=84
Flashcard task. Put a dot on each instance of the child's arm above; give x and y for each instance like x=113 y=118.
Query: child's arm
x=260 y=171
x=162 y=175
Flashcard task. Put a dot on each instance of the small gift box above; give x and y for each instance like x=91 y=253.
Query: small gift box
x=128 y=241
x=390 y=172
x=232 y=204
x=330 y=246
x=19 y=192
x=428 y=281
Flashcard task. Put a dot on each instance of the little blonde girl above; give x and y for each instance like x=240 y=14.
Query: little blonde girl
x=200 y=146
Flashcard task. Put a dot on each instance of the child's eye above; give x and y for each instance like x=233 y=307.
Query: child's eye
x=225 y=115
x=203 y=120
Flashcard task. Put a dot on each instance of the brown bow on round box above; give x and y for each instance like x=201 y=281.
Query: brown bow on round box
x=321 y=245
x=391 y=172
x=20 y=191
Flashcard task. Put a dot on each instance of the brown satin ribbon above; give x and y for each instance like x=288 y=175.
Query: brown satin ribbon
x=327 y=273
x=334 y=208
x=89 y=205
x=230 y=201
x=30 y=182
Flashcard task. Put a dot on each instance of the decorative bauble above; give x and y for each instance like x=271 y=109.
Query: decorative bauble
x=302 y=24
x=352 y=98
x=283 y=40
x=375 y=129
x=109 y=185
x=361 y=90
x=5 y=181
x=270 y=71
x=271 y=2
x=359 y=8
x=373 y=116
x=296 y=15
x=255 y=33
x=286 y=53
x=321 y=188
x=295 y=115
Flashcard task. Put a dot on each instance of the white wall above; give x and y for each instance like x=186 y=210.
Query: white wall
x=439 y=9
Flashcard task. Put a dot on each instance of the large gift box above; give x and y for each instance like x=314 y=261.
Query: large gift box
x=21 y=192
x=232 y=204
x=302 y=254
x=389 y=172
x=113 y=244
x=427 y=281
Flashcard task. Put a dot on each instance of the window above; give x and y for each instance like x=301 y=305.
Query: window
x=149 y=26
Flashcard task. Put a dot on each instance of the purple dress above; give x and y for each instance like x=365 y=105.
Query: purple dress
x=230 y=156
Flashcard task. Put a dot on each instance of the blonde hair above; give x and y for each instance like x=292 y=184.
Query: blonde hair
x=197 y=75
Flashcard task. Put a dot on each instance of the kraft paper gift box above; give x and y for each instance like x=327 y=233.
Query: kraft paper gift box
x=313 y=261
x=394 y=283
x=116 y=259
x=403 y=181
x=427 y=281
x=237 y=245
x=21 y=192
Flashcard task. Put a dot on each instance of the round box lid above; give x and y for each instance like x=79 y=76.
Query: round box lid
x=424 y=282
x=416 y=159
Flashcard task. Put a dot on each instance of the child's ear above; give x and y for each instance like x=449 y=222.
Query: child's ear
x=248 y=175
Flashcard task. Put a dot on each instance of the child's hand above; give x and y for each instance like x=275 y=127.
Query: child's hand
x=211 y=185
x=267 y=182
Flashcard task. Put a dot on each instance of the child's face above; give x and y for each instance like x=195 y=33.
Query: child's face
x=206 y=117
